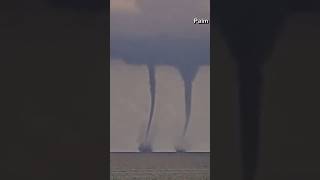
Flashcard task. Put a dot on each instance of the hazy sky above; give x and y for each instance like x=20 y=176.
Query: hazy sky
x=162 y=34
x=153 y=18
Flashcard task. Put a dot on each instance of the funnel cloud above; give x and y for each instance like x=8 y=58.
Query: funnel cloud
x=145 y=146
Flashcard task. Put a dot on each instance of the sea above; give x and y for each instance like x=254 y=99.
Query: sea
x=160 y=166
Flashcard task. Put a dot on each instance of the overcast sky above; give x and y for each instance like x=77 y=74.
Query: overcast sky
x=162 y=33
x=153 y=18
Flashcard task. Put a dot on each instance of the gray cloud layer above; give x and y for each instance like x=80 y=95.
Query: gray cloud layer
x=147 y=18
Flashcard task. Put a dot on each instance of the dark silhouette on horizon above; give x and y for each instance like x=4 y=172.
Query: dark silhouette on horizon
x=183 y=54
x=250 y=28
